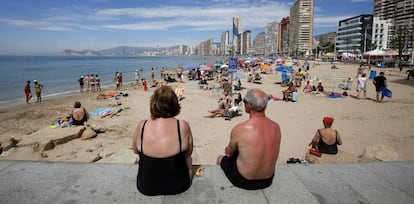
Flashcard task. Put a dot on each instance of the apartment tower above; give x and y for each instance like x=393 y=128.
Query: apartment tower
x=224 y=44
x=283 y=36
x=271 y=38
x=389 y=16
x=301 y=27
x=237 y=31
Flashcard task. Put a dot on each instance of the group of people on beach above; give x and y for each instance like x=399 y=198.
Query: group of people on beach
x=38 y=89
x=380 y=83
x=165 y=145
x=92 y=82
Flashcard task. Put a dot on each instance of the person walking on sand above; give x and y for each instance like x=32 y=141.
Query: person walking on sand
x=81 y=84
x=180 y=70
x=144 y=83
x=380 y=82
x=38 y=88
x=152 y=74
x=118 y=81
x=250 y=157
x=137 y=77
x=27 y=92
x=362 y=85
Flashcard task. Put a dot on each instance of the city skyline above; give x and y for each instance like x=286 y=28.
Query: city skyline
x=48 y=27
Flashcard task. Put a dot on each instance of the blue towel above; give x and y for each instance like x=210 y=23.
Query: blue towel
x=386 y=92
x=100 y=111
x=335 y=96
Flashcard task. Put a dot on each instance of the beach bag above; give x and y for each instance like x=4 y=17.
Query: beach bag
x=315 y=152
x=294 y=96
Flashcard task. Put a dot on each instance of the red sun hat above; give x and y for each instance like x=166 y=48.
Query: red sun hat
x=328 y=120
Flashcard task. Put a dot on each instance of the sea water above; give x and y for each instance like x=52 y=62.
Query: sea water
x=60 y=74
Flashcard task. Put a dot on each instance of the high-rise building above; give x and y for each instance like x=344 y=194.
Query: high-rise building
x=271 y=34
x=259 y=44
x=301 y=27
x=382 y=33
x=246 y=48
x=283 y=36
x=237 y=30
x=352 y=34
x=224 y=43
x=393 y=15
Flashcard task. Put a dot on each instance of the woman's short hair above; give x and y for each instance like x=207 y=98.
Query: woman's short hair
x=164 y=103
x=77 y=104
x=257 y=99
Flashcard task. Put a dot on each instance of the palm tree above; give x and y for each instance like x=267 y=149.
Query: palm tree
x=397 y=42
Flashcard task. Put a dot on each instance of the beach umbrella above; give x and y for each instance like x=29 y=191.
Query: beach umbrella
x=205 y=68
x=265 y=66
x=224 y=66
x=284 y=69
x=288 y=63
x=210 y=64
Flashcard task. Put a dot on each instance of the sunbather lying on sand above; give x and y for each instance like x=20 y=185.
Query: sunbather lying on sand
x=114 y=111
x=220 y=112
x=103 y=95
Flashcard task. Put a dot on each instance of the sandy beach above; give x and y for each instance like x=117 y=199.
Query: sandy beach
x=361 y=123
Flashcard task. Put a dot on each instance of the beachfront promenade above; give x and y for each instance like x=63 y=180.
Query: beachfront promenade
x=58 y=182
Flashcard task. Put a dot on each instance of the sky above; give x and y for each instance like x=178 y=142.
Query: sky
x=47 y=27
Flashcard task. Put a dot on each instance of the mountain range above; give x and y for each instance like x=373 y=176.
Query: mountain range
x=117 y=51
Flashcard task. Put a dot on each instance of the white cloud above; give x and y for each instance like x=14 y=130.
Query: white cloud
x=214 y=17
x=41 y=25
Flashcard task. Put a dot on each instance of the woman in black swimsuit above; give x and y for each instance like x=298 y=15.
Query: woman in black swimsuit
x=164 y=145
x=326 y=139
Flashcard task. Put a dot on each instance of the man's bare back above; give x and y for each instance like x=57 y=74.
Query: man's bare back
x=258 y=143
x=254 y=146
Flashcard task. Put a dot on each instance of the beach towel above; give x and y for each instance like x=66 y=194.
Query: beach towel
x=386 y=92
x=335 y=95
x=193 y=85
x=100 y=111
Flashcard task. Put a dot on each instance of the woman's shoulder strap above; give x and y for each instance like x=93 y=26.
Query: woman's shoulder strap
x=142 y=134
x=179 y=133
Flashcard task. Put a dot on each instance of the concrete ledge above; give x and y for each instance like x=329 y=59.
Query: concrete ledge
x=58 y=182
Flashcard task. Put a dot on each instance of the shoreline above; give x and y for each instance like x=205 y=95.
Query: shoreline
x=361 y=123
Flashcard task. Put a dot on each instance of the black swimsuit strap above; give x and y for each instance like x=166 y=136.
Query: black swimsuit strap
x=179 y=133
x=319 y=130
x=142 y=134
x=336 y=136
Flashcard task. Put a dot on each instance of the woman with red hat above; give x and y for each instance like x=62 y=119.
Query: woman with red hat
x=326 y=139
